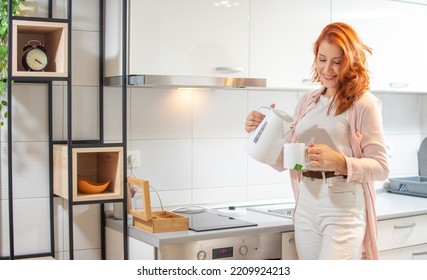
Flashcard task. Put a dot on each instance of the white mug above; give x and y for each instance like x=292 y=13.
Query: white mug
x=295 y=156
x=266 y=142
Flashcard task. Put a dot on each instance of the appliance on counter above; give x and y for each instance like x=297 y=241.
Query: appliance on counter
x=210 y=245
x=262 y=246
x=206 y=221
x=422 y=158
x=414 y=185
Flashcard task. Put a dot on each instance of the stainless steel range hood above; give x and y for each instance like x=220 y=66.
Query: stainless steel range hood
x=165 y=81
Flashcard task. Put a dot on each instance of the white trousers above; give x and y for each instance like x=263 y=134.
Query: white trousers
x=330 y=219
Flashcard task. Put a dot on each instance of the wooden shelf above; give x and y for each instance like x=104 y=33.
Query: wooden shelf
x=52 y=35
x=98 y=164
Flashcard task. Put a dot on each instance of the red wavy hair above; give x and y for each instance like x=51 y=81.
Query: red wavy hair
x=353 y=76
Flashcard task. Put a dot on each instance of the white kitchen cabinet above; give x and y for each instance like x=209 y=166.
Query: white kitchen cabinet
x=403 y=238
x=138 y=250
x=281 y=40
x=186 y=38
x=398 y=239
x=395 y=32
x=407 y=253
x=114 y=249
x=289 y=251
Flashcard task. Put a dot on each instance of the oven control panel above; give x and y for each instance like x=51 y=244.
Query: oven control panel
x=250 y=247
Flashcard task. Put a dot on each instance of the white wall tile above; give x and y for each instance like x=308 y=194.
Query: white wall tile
x=219 y=113
x=402 y=114
x=284 y=101
x=4 y=226
x=59 y=227
x=85 y=113
x=169 y=199
x=58 y=104
x=86 y=15
x=269 y=192
x=166 y=164
x=30 y=169
x=3 y=132
x=87 y=231
x=94 y=254
x=87 y=254
x=86 y=227
x=29 y=112
x=404 y=151
x=4 y=171
x=59 y=8
x=59 y=255
x=85 y=48
x=113 y=114
x=42 y=10
x=160 y=114
x=219 y=195
x=219 y=163
x=260 y=173
x=31 y=226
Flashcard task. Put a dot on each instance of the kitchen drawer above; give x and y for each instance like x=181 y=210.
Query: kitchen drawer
x=418 y=252
x=402 y=232
x=289 y=251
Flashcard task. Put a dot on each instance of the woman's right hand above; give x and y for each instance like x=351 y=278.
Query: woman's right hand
x=254 y=119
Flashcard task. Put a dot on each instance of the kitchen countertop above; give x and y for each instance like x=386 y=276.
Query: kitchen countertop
x=389 y=206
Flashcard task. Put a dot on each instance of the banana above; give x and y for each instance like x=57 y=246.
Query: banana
x=89 y=187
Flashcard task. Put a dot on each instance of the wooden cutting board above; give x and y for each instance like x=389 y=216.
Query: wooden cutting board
x=422 y=158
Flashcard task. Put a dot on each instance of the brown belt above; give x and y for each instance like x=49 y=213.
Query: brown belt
x=318 y=174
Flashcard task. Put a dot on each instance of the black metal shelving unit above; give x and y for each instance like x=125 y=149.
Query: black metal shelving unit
x=32 y=80
x=69 y=142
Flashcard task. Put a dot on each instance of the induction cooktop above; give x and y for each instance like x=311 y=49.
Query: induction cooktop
x=206 y=221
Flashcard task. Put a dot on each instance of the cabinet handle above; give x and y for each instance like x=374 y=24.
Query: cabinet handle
x=409 y=225
x=398 y=85
x=419 y=253
x=230 y=69
x=307 y=81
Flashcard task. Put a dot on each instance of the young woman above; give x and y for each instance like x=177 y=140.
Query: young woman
x=341 y=124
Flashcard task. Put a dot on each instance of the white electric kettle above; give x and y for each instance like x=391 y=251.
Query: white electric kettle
x=266 y=142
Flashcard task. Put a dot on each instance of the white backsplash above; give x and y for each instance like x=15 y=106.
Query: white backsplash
x=205 y=154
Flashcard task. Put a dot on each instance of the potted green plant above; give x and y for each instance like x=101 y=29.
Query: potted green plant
x=4 y=28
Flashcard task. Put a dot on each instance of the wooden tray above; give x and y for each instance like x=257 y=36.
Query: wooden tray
x=158 y=221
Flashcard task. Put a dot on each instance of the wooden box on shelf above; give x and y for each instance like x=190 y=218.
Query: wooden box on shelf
x=157 y=221
x=53 y=36
x=97 y=164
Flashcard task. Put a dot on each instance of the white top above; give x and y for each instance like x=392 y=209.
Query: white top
x=319 y=128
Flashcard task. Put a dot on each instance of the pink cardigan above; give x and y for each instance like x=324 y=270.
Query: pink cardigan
x=370 y=161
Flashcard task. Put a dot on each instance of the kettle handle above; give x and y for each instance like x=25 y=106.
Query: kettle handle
x=264 y=110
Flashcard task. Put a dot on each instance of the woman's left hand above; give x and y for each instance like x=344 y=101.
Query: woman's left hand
x=325 y=158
